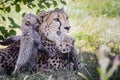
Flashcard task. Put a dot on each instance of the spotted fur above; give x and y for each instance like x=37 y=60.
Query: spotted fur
x=52 y=23
x=43 y=60
x=8 y=58
x=30 y=43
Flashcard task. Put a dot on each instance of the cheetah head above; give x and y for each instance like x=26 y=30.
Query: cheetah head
x=65 y=43
x=53 y=23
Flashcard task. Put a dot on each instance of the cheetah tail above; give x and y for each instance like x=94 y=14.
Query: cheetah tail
x=10 y=40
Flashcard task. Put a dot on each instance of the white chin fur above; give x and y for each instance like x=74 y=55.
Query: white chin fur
x=67 y=31
x=51 y=37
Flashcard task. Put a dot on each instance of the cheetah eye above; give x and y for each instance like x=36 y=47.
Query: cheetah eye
x=67 y=18
x=67 y=45
x=56 y=19
x=27 y=23
x=60 y=44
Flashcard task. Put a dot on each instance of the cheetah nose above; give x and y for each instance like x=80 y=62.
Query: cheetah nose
x=58 y=33
x=63 y=49
x=67 y=28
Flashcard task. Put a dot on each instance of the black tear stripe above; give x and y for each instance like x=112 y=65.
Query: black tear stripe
x=59 y=22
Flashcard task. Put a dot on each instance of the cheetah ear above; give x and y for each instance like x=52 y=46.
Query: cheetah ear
x=41 y=16
x=73 y=41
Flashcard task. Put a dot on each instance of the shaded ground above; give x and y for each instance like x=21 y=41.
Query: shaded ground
x=87 y=70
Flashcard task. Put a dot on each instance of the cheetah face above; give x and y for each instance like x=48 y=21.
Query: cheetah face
x=30 y=21
x=64 y=47
x=65 y=43
x=53 y=23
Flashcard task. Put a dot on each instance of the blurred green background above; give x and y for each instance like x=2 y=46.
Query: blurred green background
x=93 y=23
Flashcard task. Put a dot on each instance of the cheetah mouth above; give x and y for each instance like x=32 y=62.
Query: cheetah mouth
x=68 y=30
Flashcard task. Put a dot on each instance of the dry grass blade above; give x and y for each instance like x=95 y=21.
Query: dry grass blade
x=82 y=75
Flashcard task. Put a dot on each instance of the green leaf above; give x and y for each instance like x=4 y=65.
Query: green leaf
x=17 y=8
x=41 y=6
x=63 y=2
x=11 y=20
x=47 y=4
x=14 y=25
x=29 y=1
x=2 y=6
x=16 y=1
x=12 y=32
x=1 y=37
x=42 y=1
x=57 y=8
x=1 y=9
x=38 y=11
x=24 y=2
x=3 y=18
x=8 y=9
x=29 y=6
x=3 y=30
x=6 y=34
x=23 y=14
x=54 y=3
x=33 y=5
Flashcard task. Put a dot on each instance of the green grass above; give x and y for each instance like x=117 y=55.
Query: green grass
x=94 y=22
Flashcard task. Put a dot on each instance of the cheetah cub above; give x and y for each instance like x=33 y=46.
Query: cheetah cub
x=29 y=44
x=65 y=45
